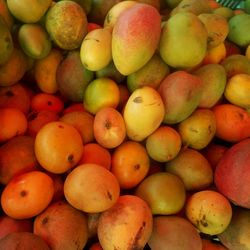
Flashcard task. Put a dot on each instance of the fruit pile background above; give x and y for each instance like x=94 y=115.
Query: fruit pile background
x=124 y=125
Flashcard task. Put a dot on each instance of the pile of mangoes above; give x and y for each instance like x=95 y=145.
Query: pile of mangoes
x=124 y=125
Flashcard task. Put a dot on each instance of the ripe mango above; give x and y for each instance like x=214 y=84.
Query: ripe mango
x=183 y=42
x=215 y=79
x=135 y=37
x=179 y=106
x=143 y=113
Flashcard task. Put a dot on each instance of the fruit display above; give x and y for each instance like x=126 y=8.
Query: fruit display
x=124 y=125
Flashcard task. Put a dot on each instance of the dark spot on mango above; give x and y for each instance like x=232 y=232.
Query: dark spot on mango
x=107 y=124
x=138 y=99
x=23 y=193
x=9 y=93
x=135 y=245
x=45 y=220
x=49 y=103
x=71 y=158
x=60 y=126
x=109 y=195
x=137 y=166
x=32 y=116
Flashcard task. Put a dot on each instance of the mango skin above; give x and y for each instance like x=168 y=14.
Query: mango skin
x=232 y=176
x=183 y=42
x=135 y=37
x=239 y=29
x=236 y=235
x=143 y=113
x=189 y=88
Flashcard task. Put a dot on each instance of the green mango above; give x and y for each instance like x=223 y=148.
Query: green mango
x=239 y=29
x=183 y=42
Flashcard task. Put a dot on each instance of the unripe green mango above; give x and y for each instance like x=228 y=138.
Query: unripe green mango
x=6 y=42
x=135 y=37
x=34 y=40
x=183 y=42
x=239 y=29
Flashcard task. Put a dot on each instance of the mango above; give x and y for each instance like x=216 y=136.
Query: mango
x=6 y=42
x=143 y=113
x=189 y=89
x=183 y=42
x=126 y=225
x=236 y=235
x=14 y=69
x=194 y=6
x=66 y=23
x=167 y=231
x=237 y=90
x=72 y=77
x=135 y=37
x=239 y=29
x=95 y=51
x=164 y=192
x=214 y=79
x=236 y=64
x=150 y=74
x=232 y=174
x=28 y=11
x=217 y=28
x=34 y=40
x=193 y=169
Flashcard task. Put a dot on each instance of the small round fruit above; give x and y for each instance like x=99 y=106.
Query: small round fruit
x=27 y=195
x=130 y=164
x=58 y=147
x=164 y=192
x=101 y=92
x=13 y=122
x=91 y=188
x=209 y=211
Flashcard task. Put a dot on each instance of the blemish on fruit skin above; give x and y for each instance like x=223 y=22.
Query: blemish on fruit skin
x=109 y=195
x=49 y=103
x=71 y=158
x=135 y=244
x=45 y=220
x=60 y=126
x=9 y=93
x=137 y=166
x=23 y=193
x=138 y=99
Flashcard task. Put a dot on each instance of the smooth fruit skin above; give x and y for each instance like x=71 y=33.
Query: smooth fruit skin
x=58 y=147
x=27 y=195
x=62 y=226
x=231 y=173
x=164 y=192
x=126 y=225
x=91 y=188
x=143 y=113
x=168 y=230
x=135 y=37
x=183 y=42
